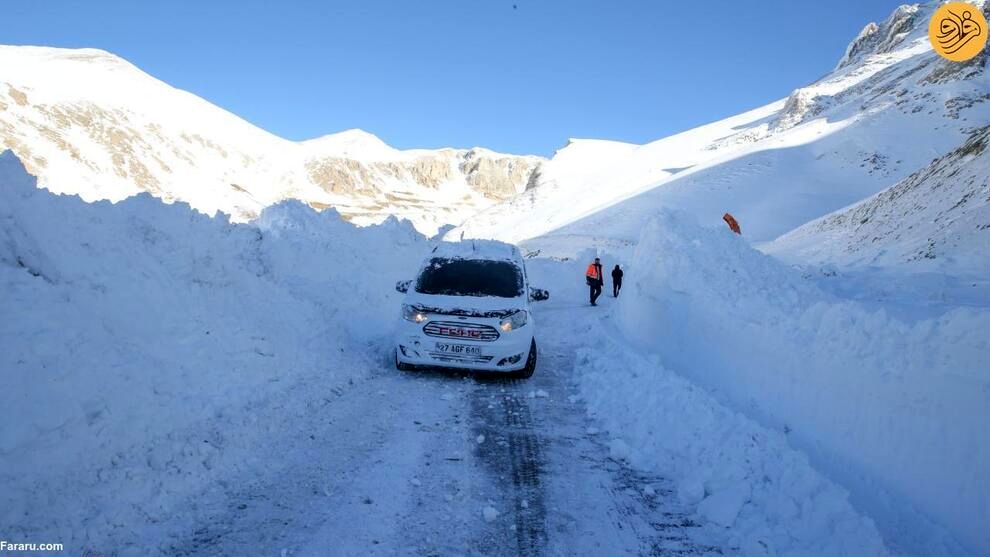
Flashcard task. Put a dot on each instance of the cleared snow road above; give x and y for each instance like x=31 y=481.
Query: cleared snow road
x=433 y=463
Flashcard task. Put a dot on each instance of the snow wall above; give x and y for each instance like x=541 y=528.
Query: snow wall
x=148 y=350
x=897 y=411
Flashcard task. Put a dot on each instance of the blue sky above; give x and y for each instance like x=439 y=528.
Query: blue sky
x=519 y=76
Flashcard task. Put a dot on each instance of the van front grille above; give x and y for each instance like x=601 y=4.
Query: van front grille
x=464 y=331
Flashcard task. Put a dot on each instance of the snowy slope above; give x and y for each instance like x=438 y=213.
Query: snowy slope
x=936 y=220
x=828 y=145
x=117 y=132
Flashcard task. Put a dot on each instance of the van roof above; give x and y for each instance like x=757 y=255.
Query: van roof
x=478 y=249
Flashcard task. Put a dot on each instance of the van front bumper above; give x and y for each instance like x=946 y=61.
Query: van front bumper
x=508 y=353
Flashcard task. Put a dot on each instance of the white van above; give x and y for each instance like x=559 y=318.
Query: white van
x=468 y=308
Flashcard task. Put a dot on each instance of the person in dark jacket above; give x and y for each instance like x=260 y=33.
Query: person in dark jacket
x=616 y=281
x=595 y=280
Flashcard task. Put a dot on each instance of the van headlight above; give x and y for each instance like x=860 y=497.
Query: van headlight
x=411 y=313
x=514 y=321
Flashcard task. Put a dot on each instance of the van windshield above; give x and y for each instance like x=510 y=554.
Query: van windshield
x=470 y=277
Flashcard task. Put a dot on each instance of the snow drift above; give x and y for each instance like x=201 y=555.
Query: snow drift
x=740 y=475
x=147 y=350
x=896 y=410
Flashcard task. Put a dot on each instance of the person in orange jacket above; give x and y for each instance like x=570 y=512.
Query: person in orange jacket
x=594 y=278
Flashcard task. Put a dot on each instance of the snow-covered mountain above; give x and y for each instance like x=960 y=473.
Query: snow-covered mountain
x=118 y=131
x=888 y=109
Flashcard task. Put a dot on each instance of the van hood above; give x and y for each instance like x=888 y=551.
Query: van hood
x=466 y=306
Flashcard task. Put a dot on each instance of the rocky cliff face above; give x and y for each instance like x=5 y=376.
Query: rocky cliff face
x=898 y=48
x=881 y=38
x=497 y=176
x=117 y=132
x=494 y=176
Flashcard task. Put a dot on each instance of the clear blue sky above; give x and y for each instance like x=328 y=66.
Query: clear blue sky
x=519 y=76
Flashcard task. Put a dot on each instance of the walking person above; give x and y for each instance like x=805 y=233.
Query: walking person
x=616 y=281
x=594 y=278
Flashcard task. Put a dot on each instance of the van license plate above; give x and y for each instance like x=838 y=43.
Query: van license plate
x=458 y=349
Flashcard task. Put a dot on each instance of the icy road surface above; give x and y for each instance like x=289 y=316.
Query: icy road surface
x=435 y=463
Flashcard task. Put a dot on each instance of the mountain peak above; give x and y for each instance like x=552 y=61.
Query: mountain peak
x=877 y=39
x=353 y=143
x=92 y=56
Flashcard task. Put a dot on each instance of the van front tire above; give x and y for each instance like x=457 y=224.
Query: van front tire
x=399 y=365
x=527 y=372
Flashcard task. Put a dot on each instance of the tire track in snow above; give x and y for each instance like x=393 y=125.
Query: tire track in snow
x=597 y=505
x=558 y=490
x=511 y=450
x=662 y=524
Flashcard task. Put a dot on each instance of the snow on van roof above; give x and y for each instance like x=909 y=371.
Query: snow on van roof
x=477 y=249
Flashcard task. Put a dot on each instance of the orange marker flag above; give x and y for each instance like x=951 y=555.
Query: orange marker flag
x=731 y=221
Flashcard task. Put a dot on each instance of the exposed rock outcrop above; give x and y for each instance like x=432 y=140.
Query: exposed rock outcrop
x=801 y=106
x=497 y=177
x=878 y=39
x=493 y=176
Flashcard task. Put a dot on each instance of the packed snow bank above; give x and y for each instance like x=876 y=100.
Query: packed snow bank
x=739 y=474
x=147 y=350
x=896 y=410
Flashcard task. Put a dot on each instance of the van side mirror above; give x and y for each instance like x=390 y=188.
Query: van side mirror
x=538 y=294
x=403 y=286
